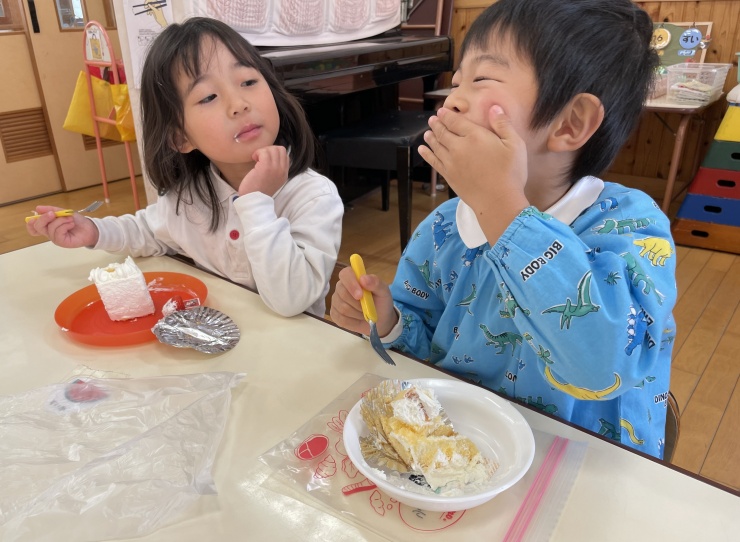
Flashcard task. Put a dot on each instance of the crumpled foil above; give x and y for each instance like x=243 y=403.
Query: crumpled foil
x=202 y=328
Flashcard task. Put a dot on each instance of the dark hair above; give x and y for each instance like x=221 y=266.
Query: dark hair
x=601 y=47
x=176 y=49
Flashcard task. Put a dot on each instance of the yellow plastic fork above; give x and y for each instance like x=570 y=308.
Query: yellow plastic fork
x=69 y=212
x=368 y=310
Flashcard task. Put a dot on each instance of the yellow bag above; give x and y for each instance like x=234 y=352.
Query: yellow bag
x=124 y=115
x=111 y=101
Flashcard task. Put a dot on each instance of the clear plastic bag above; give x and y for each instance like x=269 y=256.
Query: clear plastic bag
x=313 y=462
x=102 y=458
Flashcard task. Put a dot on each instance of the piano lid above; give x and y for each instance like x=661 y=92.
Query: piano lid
x=324 y=71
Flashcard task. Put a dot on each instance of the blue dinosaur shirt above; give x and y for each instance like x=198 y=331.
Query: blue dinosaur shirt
x=574 y=319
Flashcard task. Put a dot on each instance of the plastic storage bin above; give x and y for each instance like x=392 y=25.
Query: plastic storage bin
x=660 y=85
x=696 y=83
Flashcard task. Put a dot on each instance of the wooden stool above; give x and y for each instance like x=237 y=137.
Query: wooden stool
x=388 y=141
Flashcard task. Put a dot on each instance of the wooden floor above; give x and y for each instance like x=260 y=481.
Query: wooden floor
x=706 y=367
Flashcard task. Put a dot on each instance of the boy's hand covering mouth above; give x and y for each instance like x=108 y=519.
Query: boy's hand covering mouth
x=478 y=162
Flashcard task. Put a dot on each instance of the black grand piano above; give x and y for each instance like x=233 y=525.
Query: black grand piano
x=343 y=83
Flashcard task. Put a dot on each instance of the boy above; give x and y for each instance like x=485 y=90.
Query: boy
x=542 y=282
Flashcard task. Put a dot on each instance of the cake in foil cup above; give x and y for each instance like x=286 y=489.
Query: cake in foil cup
x=202 y=328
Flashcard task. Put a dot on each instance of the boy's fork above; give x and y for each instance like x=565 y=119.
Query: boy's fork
x=368 y=310
x=69 y=212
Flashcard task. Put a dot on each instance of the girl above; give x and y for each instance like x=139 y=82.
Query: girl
x=228 y=150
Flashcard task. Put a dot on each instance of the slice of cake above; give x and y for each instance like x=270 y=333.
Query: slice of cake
x=412 y=422
x=123 y=290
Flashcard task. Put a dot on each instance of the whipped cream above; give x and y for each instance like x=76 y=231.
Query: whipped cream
x=123 y=290
x=418 y=407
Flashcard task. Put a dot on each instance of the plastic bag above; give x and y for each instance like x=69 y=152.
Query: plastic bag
x=102 y=458
x=313 y=462
x=111 y=101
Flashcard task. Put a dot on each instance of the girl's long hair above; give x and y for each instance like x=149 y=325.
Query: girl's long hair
x=178 y=50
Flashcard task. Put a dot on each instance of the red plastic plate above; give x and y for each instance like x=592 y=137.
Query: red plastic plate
x=84 y=319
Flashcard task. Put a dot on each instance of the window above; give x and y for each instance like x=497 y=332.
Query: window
x=71 y=14
x=11 y=16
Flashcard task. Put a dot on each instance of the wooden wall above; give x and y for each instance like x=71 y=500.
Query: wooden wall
x=646 y=157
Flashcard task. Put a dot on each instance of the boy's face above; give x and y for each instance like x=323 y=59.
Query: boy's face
x=497 y=76
x=229 y=111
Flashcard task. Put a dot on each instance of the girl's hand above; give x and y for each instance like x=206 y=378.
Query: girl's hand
x=346 y=310
x=485 y=166
x=67 y=231
x=269 y=173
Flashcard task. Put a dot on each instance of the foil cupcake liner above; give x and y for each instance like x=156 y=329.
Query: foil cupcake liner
x=201 y=328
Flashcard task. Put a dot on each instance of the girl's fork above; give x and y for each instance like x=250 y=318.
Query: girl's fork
x=69 y=212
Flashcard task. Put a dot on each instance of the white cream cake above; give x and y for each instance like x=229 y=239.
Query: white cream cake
x=123 y=290
x=416 y=427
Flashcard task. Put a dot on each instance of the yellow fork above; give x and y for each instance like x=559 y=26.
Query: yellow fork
x=64 y=212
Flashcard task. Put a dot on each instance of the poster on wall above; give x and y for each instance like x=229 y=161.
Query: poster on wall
x=681 y=42
x=145 y=19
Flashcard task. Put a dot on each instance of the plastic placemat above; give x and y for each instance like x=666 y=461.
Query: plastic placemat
x=312 y=463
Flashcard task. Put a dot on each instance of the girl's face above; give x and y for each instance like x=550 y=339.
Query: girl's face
x=229 y=111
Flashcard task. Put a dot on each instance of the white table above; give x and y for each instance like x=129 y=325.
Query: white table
x=294 y=367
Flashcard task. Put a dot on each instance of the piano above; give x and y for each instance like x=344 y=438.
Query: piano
x=343 y=83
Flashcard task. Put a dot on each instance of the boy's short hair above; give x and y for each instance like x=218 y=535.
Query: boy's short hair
x=600 y=47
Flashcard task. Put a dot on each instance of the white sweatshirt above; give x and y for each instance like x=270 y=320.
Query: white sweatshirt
x=284 y=246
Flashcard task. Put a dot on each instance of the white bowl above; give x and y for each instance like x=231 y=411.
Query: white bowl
x=492 y=423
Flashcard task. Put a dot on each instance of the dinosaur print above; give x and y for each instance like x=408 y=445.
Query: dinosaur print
x=582 y=393
x=440 y=231
x=610 y=431
x=448 y=285
x=630 y=431
x=468 y=301
x=627 y=225
x=466 y=359
x=612 y=278
x=470 y=255
x=542 y=352
x=638 y=275
x=609 y=204
x=582 y=307
x=658 y=250
x=425 y=272
x=505 y=252
x=591 y=254
x=636 y=328
x=647 y=379
x=540 y=405
x=532 y=211
x=427 y=317
x=500 y=341
x=407 y=319
x=510 y=304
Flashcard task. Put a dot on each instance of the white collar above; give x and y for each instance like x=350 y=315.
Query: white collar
x=581 y=195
